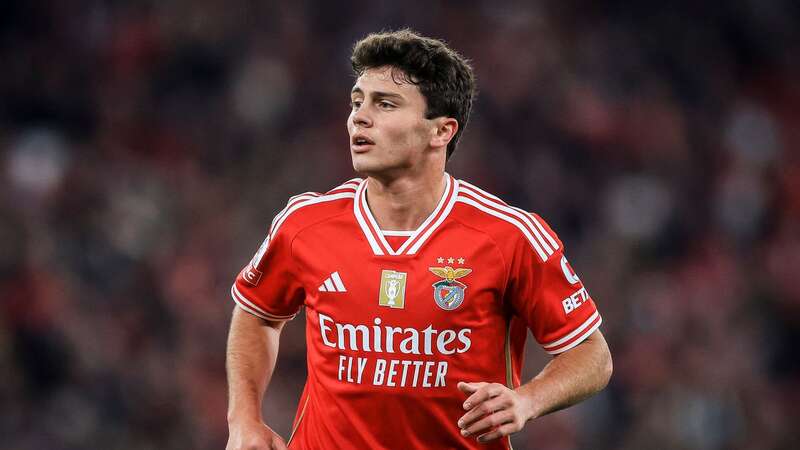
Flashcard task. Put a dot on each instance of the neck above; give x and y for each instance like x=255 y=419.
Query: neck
x=403 y=204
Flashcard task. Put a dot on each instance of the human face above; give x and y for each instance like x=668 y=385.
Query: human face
x=389 y=133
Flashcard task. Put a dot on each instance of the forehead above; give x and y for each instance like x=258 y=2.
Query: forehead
x=386 y=79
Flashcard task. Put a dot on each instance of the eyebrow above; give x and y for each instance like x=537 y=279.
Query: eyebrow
x=379 y=94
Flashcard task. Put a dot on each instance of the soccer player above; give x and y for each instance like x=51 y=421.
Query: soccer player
x=418 y=288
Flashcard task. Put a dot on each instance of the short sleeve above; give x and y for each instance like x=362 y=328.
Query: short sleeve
x=267 y=287
x=546 y=292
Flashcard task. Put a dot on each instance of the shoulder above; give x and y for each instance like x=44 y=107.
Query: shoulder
x=508 y=225
x=308 y=208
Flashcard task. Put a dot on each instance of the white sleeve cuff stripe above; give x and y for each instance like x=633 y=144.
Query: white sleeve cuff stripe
x=249 y=310
x=252 y=307
x=580 y=339
x=574 y=332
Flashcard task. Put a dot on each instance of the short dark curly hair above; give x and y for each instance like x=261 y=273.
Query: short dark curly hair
x=444 y=77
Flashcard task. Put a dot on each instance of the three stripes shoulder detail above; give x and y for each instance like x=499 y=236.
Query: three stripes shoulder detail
x=540 y=238
x=343 y=191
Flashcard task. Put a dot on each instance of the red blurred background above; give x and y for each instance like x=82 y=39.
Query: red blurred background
x=145 y=146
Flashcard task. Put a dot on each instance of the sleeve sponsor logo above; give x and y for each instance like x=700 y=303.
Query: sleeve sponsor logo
x=575 y=300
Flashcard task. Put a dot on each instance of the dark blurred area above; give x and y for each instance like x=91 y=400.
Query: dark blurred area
x=145 y=147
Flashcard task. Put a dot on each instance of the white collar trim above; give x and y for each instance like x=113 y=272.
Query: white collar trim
x=376 y=237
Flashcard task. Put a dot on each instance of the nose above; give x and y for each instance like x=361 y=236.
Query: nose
x=361 y=118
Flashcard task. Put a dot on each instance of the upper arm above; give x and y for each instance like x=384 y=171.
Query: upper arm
x=548 y=294
x=596 y=341
x=268 y=286
x=596 y=351
x=242 y=320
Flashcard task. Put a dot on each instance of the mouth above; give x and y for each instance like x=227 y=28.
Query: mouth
x=360 y=143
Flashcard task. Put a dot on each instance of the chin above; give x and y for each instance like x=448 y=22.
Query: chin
x=371 y=165
x=365 y=166
x=364 y=169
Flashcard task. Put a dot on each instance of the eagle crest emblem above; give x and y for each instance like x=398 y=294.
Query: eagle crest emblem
x=448 y=292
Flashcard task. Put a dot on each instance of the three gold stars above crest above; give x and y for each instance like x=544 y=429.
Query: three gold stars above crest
x=450 y=260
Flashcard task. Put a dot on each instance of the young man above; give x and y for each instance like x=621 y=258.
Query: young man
x=418 y=288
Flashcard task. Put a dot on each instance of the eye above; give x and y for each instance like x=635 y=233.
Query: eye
x=383 y=104
x=355 y=104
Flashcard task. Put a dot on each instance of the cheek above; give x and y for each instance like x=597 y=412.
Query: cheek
x=407 y=133
x=417 y=135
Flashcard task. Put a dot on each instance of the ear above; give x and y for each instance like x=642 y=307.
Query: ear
x=444 y=131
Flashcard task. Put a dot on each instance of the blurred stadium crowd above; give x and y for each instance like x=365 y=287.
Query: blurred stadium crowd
x=145 y=146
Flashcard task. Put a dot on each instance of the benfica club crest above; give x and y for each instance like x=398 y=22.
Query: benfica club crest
x=449 y=293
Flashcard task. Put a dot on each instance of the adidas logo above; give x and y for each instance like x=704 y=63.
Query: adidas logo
x=333 y=284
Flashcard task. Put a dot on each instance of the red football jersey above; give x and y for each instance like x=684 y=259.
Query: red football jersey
x=394 y=320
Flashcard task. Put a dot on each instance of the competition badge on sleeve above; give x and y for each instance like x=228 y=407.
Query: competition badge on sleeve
x=449 y=293
x=251 y=274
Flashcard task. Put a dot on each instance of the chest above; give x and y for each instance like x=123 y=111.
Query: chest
x=456 y=279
